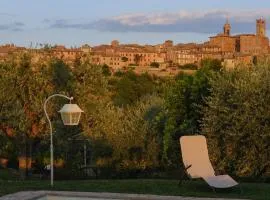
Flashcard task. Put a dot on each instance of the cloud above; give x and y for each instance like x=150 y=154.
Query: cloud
x=182 y=21
x=15 y=26
x=46 y=21
x=7 y=14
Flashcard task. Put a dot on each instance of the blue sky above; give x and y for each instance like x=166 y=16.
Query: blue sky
x=76 y=22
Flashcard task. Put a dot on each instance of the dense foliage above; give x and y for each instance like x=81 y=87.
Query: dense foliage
x=132 y=123
x=23 y=89
x=131 y=87
x=183 y=102
x=237 y=121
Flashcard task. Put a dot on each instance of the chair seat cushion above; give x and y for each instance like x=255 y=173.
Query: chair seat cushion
x=222 y=181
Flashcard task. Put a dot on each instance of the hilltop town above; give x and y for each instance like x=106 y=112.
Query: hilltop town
x=167 y=58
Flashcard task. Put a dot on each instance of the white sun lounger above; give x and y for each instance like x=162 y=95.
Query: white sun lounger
x=197 y=163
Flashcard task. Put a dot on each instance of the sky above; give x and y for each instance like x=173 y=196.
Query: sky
x=76 y=22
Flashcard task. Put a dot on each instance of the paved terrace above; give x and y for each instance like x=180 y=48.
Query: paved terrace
x=31 y=195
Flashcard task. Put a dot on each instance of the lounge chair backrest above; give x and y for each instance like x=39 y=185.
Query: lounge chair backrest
x=195 y=153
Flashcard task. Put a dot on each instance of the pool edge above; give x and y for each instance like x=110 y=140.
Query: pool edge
x=32 y=195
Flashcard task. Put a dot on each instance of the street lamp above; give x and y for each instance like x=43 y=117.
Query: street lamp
x=70 y=114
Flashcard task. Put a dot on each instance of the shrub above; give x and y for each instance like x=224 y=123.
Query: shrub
x=190 y=66
x=119 y=73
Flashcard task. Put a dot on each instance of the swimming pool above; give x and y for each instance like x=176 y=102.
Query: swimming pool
x=65 y=195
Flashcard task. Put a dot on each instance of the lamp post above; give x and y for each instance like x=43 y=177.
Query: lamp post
x=70 y=114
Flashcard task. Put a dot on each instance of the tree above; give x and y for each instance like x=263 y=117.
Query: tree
x=21 y=109
x=128 y=135
x=236 y=121
x=211 y=64
x=190 y=66
x=183 y=103
x=62 y=75
x=137 y=59
x=124 y=59
x=255 y=60
x=132 y=87
x=119 y=73
x=46 y=47
x=106 y=70
x=90 y=91
x=154 y=64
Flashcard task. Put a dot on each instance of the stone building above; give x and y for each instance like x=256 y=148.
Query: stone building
x=66 y=54
x=225 y=42
x=126 y=55
x=186 y=54
x=251 y=43
x=168 y=44
x=243 y=43
x=194 y=53
x=227 y=28
x=260 y=27
x=8 y=49
x=231 y=49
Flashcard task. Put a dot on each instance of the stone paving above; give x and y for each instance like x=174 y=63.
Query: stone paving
x=31 y=195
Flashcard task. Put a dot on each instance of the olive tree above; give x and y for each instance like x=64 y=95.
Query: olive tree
x=237 y=120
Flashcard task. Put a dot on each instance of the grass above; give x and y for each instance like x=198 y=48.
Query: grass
x=9 y=183
x=257 y=191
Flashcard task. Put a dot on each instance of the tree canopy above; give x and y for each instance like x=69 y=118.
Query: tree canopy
x=236 y=120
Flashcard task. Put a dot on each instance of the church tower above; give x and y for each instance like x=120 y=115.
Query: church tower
x=260 y=27
x=227 y=28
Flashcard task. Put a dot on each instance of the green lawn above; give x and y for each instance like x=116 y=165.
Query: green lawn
x=258 y=191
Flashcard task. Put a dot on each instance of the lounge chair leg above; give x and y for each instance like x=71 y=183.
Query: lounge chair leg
x=214 y=190
x=181 y=179
x=183 y=174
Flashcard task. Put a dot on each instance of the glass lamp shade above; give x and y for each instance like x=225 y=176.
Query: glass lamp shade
x=70 y=114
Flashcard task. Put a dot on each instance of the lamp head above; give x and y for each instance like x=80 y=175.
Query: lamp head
x=70 y=114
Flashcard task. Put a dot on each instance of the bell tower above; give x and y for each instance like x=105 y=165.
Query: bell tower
x=260 y=27
x=227 y=28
